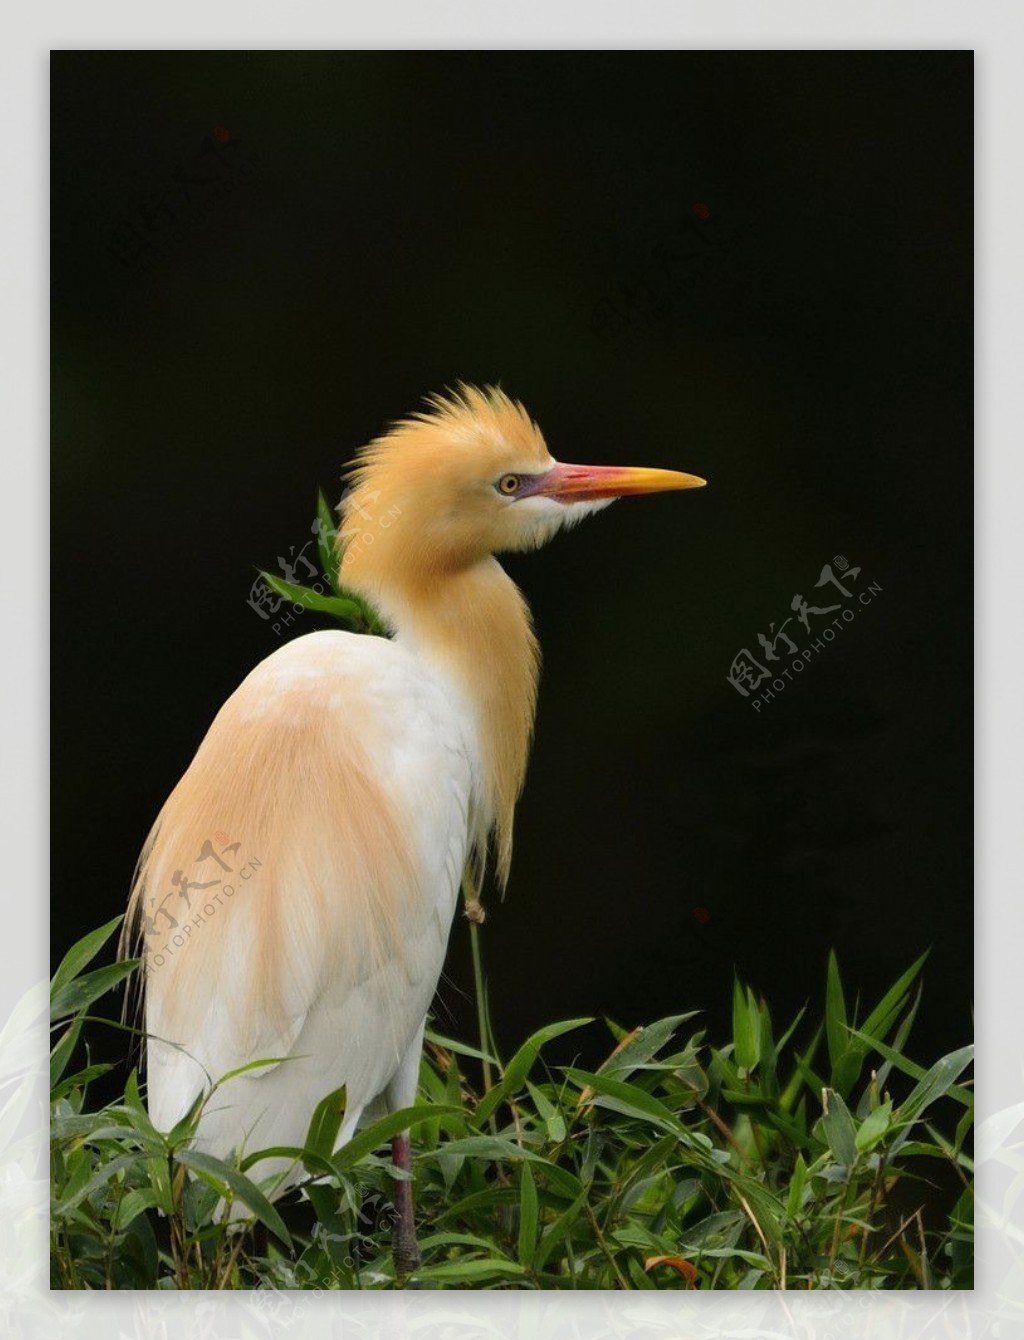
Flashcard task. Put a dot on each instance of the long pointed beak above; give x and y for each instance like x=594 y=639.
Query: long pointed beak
x=586 y=483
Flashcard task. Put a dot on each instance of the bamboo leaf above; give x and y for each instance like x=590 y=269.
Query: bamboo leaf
x=558 y=1230
x=325 y=1124
x=874 y=1127
x=626 y=1098
x=472 y=1269
x=79 y=1189
x=60 y=1056
x=881 y=1019
x=346 y=607
x=497 y=1149
x=745 y=1030
x=82 y=953
x=840 y=1132
x=639 y=1046
x=520 y=1065
x=233 y=1185
x=528 y=1215
x=794 y=1200
x=934 y=1084
x=382 y=1131
x=835 y=1014
x=325 y=538
x=81 y=991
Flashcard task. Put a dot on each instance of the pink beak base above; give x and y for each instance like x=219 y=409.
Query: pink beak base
x=589 y=483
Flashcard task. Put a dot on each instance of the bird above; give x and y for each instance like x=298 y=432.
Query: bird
x=345 y=787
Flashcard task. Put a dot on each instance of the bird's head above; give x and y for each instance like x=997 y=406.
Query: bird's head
x=469 y=477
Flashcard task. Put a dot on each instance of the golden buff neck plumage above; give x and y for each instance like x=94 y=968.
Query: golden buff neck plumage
x=473 y=628
x=417 y=540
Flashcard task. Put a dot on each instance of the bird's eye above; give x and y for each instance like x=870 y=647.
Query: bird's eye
x=508 y=484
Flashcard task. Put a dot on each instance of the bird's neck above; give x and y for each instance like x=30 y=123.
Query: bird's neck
x=472 y=627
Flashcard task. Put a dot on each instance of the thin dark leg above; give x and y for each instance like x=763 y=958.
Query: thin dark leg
x=404 y=1247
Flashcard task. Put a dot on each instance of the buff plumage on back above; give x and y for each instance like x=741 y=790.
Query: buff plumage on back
x=426 y=564
x=330 y=880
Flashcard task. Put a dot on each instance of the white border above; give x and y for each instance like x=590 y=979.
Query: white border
x=994 y=31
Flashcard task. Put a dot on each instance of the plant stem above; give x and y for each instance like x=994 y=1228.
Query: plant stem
x=481 y=1007
x=623 y=1282
x=475 y=915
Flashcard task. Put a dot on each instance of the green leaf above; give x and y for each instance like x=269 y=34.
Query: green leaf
x=803 y=1074
x=520 y=1065
x=963 y=1126
x=158 y=1169
x=496 y=1149
x=433 y=1240
x=638 y=1047
x=934 y=1084
x=342 y=607
x=326 y=1123
x=780 y=1045
x=528 y=1215
x=745 y=1028
x=552 y=1118
x=138 y=1111
x=847 y=1068
x=261 y=1063
x=767 y=1051
x=325 y=538
x=459 y=1048
x=81 y=991
x=836 y=1033
x=628 y=1099
x=60 y=1056
x=473 y=1268
x=895 y=1058
x=840 y=1131
x=874 y=1127
x=883 y=1016
x=794 y=1200
x=314 y=1163
x=899 y=1041
x=558 y=1230
x=184 y=1128
x=233 y=1185
x=142 y=1198
x=82 y=953
x=382 y=1131
x=77 y=1190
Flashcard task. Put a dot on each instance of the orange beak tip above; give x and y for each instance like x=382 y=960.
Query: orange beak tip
x=581 y=483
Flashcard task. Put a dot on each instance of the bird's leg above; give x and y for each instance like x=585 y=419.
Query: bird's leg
x=404 y=1247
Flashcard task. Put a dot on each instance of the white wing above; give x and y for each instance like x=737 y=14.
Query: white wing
x=311 y=857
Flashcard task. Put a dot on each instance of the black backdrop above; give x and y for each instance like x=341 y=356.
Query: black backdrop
x=753 y=266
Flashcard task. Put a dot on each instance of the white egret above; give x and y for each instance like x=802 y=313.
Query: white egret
x=347 y=782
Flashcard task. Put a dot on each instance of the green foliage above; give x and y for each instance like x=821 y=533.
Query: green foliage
x=344 y=605
x=674 y=1164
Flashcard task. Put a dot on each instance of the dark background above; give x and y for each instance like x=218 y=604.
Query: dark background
x=752 y=266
